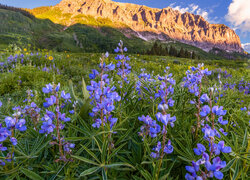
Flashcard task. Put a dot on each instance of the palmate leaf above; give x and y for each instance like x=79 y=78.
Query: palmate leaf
x=32 y=175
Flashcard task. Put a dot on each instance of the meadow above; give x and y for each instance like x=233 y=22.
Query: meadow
x=122 y=116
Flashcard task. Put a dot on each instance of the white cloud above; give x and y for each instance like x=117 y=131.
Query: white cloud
x=239 y=15
x=195 y=9
x=246 y=47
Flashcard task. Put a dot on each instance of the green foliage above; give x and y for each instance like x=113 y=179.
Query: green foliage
x=130 y=156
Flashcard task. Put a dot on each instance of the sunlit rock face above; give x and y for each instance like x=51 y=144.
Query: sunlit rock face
x=152 y=23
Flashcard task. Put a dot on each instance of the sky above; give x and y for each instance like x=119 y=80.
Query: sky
x=233 y=13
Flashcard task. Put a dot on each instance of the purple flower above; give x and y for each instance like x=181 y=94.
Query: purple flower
x=2 y=148
x=13 y=141
x=220 y=120
x=10 y=122
x=47 y=127
x=215 y=167
x=200 y=149
x=204 y=98
x=49 y=101
x=94 y=74
x=21 y=125
x=205 y=111
x=48 y=88
x=65 y=96
x=219 y=110
x=220 y=147
x=168 y=148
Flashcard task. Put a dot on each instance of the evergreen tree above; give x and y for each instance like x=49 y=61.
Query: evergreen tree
x=186 y=54
x=166 y=51
x=193 y=55
x=171 y=51
x=181 y=53
x=175 y=52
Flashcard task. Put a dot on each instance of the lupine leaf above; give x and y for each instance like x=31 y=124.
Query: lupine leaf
x=85 y=160
x=31 y=174
x=89 y=171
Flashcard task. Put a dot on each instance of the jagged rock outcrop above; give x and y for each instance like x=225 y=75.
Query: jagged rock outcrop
x=148 y=23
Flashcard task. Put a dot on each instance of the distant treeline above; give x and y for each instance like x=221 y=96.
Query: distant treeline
x=24 y=12
x=158 y=49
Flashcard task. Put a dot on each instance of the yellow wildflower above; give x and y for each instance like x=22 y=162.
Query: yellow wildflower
x=50 y=58
x=202 y=68
x=24 y=49
x=189 y=67
x=68 y=56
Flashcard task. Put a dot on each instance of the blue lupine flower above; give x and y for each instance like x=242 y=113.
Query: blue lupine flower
x=171 y=102
x=117 y=49
x=123 y=67
x=13 y=141
x=192 y=102
x=220 y=120
x=47 y=127
x=94 y=74
x=204 y=98
x=2 y=148
x=219 y=110
x=223 y=132
x=205 y=111
x=65 y=96
x=215 y=167
x=103 y=97
x=49 y=101
x=1 y=104
x=200 y=149
x=10 y=122
x=220 y=147
x=242 y=109
x=168 y=149
x=48 y=88
x=150 y=127
x=4 y=133
x=68 y=146
x=157 y=150
x=21 y=125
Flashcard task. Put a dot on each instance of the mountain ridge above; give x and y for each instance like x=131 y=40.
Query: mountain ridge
x=144 y=21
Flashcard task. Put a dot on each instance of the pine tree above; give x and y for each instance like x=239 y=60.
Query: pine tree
x=166 y=51
x=193 y=55
x=181 y=53
x=186 y=54
x=171 y=51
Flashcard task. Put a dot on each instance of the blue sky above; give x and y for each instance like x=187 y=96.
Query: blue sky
x=233 y=13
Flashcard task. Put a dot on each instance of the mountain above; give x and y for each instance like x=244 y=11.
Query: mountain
x=144 y=22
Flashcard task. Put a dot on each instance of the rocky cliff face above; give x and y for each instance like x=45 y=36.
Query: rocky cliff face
x=151 y=23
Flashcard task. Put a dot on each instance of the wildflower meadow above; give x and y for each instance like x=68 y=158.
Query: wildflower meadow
x=122 y=116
